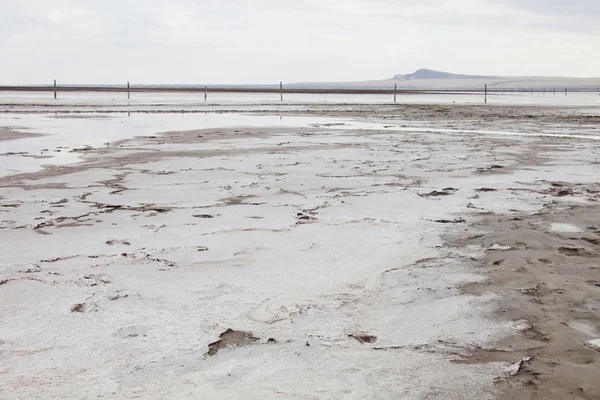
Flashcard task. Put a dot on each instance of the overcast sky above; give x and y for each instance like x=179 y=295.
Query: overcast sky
x=265 y=41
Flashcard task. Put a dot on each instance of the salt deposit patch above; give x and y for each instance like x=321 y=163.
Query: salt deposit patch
x=565 y=228
x=583 y=327
x=593 y=344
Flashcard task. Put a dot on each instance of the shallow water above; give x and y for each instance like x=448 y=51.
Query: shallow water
x=61 y=134
x=197 y=99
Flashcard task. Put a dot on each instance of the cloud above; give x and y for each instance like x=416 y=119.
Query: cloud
x=557 y=7
x=233 y=41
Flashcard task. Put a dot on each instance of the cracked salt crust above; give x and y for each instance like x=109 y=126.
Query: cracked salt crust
x=158 y=286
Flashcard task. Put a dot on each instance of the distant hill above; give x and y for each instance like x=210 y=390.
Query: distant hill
x=432 y=74
x=428 y=79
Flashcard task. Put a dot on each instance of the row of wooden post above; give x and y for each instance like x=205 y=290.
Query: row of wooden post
x=205 y=91
x=485 y=91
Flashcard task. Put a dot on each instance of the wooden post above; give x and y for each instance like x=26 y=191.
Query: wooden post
x=565 y=91
x=128 y=96
x=205 y=93
x=395 y=91
x=55 y=88
x=281 y=90
x=485 y=94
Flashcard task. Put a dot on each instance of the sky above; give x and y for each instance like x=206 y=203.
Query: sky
x=267 y=41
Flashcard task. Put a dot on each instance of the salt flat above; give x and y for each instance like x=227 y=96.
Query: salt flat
x=320 y=237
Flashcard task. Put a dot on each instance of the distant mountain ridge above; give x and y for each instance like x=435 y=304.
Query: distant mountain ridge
x=424 y=73
x=429 y=79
